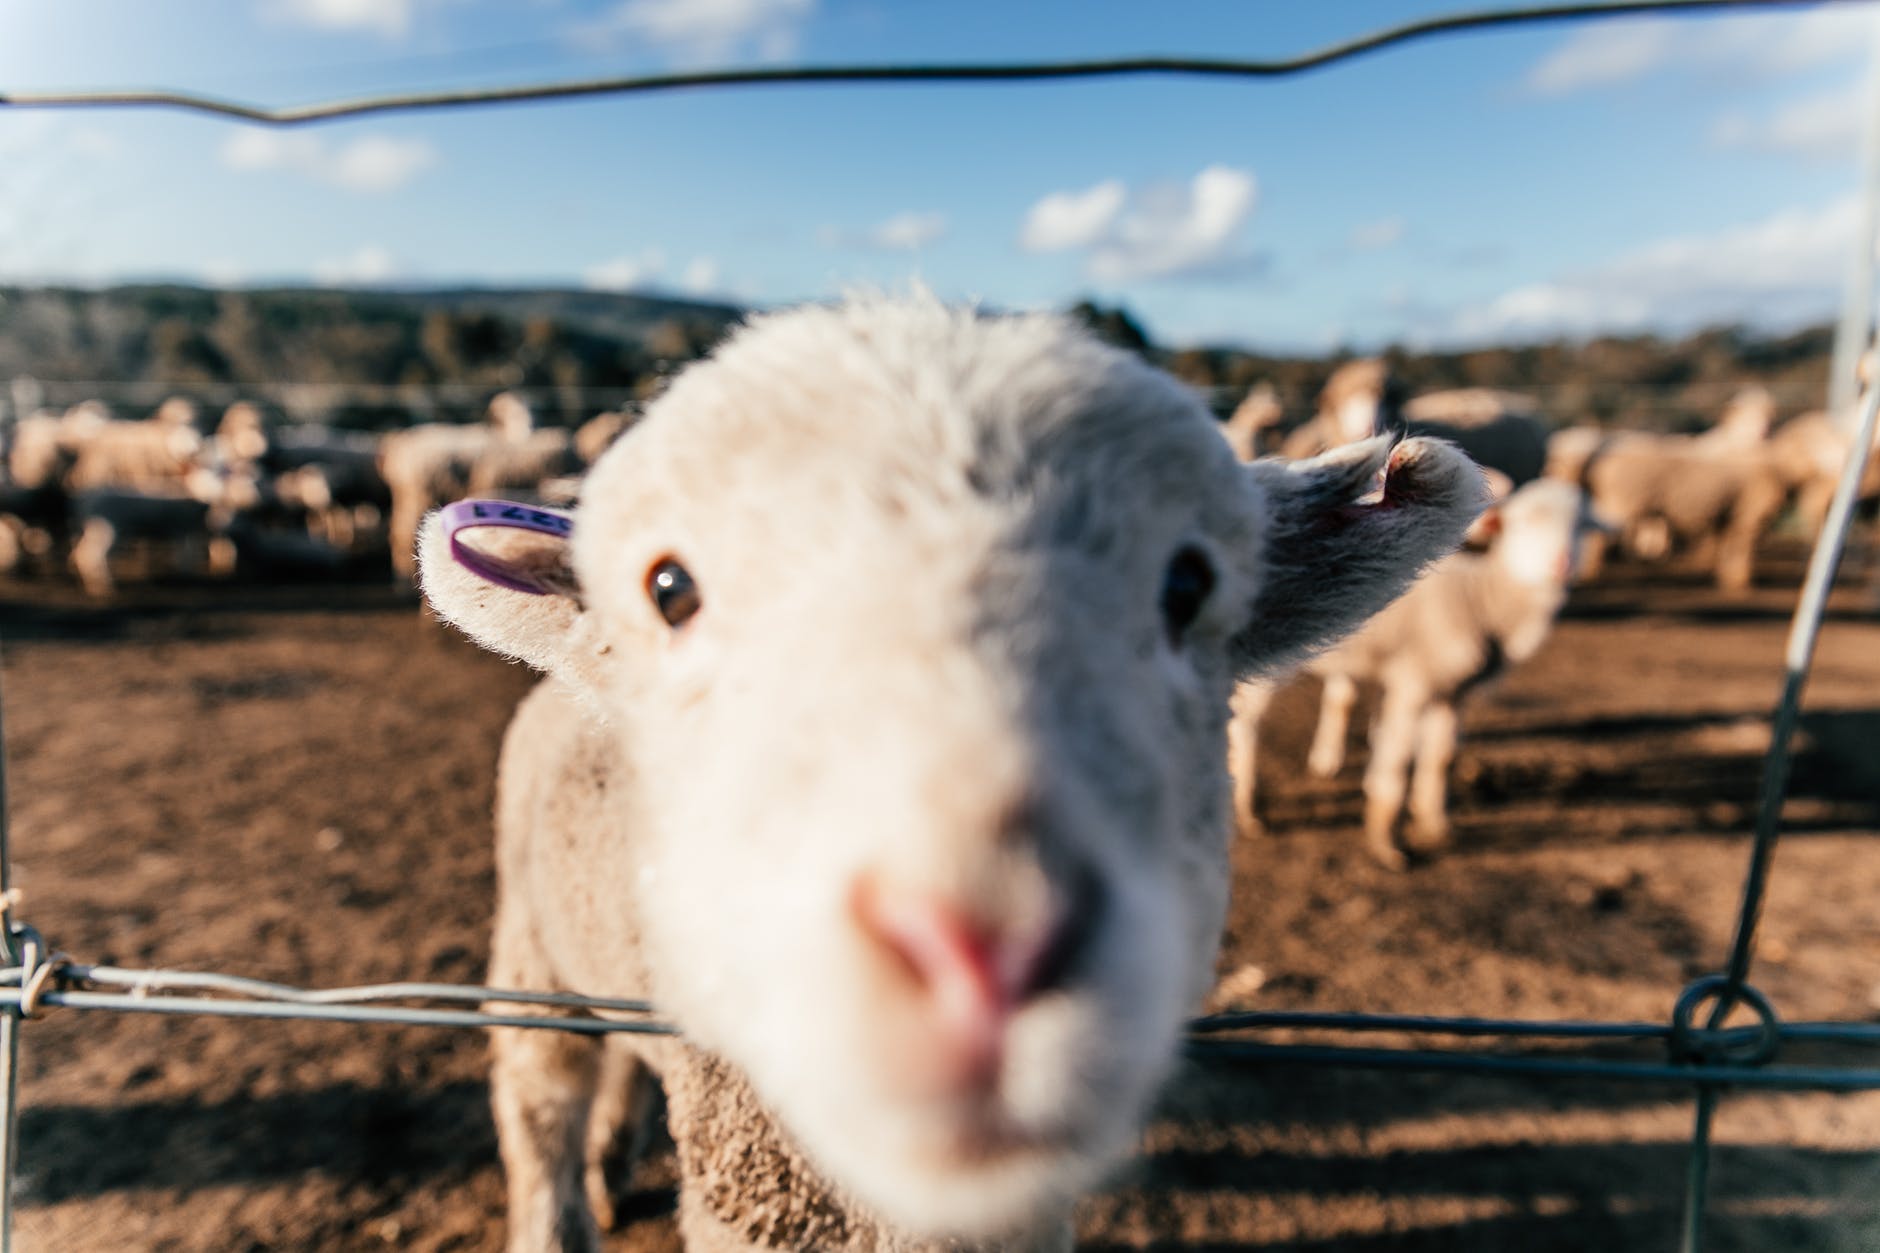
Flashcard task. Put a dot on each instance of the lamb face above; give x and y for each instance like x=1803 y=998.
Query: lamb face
x=918 y=629
x=939 y=861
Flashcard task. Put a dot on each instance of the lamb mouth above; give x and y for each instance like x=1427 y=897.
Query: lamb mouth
x=988 y=1138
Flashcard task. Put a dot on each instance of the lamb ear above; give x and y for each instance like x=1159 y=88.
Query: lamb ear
x=1338 y=549
x=506 y=584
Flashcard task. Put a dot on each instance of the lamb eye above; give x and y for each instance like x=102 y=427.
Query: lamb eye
x=673 y=592
x=1185 y=587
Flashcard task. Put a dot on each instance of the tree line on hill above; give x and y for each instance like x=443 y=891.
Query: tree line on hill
x=375 y=358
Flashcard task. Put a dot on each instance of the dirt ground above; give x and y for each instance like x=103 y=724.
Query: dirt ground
x=294 y=784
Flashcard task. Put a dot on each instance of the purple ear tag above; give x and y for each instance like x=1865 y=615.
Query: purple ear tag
x=468 y=515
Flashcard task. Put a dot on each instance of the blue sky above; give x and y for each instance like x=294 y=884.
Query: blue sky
x=1512 y=185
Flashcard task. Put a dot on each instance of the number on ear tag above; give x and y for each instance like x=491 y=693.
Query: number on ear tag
x=469 y=515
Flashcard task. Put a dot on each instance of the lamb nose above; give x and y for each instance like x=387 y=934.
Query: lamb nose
x=974 y=974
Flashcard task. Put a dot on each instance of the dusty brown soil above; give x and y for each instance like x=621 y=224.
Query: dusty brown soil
x=294 y=784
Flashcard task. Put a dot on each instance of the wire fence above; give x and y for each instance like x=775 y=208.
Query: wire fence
x=962 y=72
x=1697 y=1047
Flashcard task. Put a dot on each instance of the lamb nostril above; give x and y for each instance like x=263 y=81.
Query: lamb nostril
x=1068 y=941
x=971 y=966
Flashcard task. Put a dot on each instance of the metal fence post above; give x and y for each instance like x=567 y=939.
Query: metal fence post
x=1697 y=1173
x=11 y=1019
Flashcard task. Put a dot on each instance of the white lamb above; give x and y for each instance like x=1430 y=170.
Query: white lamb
x=1472 y=615
x=424 y=466
x=1705 y=495
x=884 y=750
x=1249 y=428
x=1500 y=430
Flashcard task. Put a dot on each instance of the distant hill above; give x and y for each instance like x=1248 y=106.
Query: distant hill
x=1640 y=381
x=364 y=358
x=620 y=315
x=379 y=358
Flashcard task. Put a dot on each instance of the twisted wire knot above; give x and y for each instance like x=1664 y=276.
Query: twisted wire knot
x=1712 y=1045
x=38 y=969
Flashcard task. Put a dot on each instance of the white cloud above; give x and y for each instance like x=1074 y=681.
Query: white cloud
x=1072 y=219
x=623 y=273
x=707 y=30
x=1605 y=52
x=367 y=266
x=256 y=149
x=379 y=162
x=1825 y=126
x=1371 y=236
x=390 y=18
x=1786 y=268
x=904 y=232
x=90 y=142
x=56 y=216
x=24 y=131
x=1759 y=45
x=702 y=276
x=1159 y=231
x=223 y=272
x=909 y=232
x=44 y=134
x=371 y=163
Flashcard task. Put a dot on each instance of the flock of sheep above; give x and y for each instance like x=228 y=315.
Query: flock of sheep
x=886 y=738
x=78 y=486
x=1564 y=497
x=1712 y=496
x=81 y=486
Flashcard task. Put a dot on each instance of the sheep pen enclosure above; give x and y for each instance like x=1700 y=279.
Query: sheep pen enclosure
x=294 y=784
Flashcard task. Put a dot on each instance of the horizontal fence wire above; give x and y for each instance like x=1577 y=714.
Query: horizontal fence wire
x=1016 y=71
x=1217 y=1037
x=1777 y=1078
x=145 y=982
